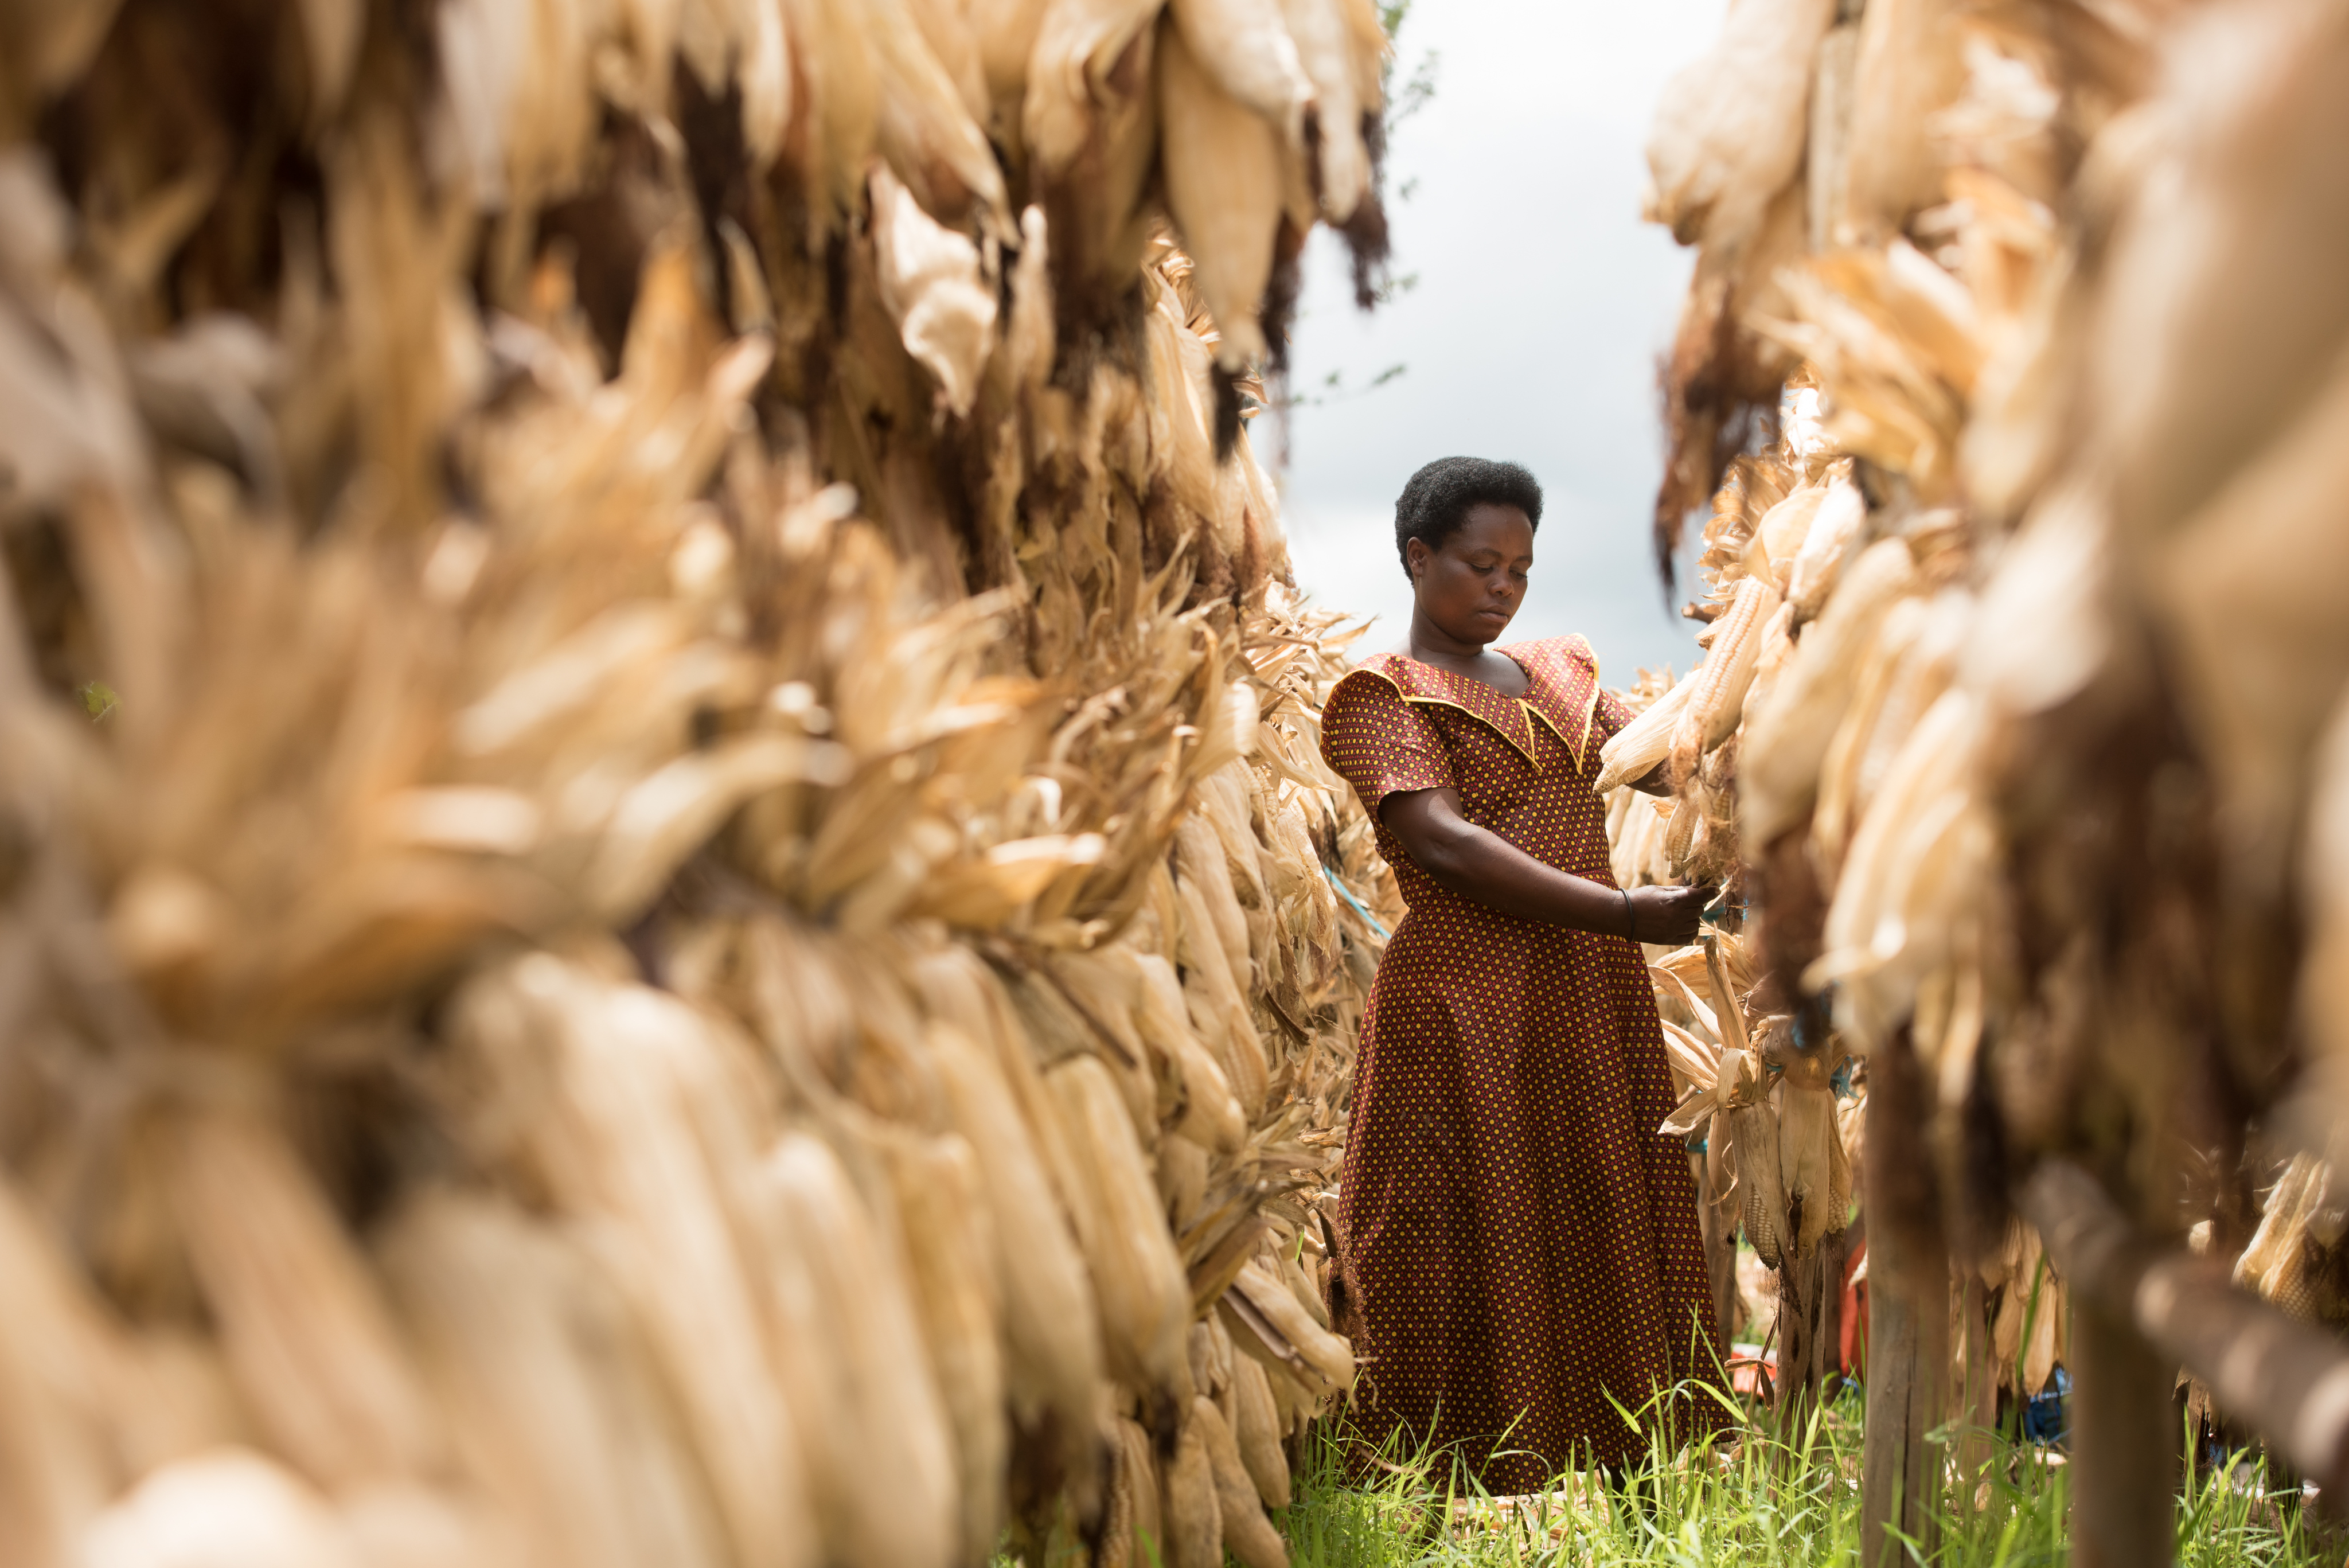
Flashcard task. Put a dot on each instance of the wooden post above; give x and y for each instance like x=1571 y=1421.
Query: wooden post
x=1908 y=1363
x=2124 y=1444
x=1909 y=1318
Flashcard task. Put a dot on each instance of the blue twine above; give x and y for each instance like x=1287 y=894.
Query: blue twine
x=1347 y=893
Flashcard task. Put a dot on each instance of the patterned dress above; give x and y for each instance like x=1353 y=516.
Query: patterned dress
x=1521 y=1245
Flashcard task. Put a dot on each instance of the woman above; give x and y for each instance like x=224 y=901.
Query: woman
x=1522 y=1249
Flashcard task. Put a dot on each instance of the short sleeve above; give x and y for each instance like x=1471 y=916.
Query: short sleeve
x=1609 y=715
x=1380 y=743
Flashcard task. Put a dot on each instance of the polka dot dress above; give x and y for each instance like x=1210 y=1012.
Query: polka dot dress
x=1522 y=1245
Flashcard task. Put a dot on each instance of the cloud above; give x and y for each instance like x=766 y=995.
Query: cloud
x=1533 y=333
x=1344 y=556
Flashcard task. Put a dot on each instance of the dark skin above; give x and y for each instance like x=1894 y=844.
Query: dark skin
x=1465 y=594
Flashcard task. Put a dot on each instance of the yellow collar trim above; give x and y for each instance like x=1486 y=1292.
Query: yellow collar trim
x=1579 y=751
x=1514 y=744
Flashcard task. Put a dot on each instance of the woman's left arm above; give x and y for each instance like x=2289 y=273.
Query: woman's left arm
x=1481 y=866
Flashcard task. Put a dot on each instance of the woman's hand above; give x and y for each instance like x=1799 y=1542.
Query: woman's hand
x=1668 y=915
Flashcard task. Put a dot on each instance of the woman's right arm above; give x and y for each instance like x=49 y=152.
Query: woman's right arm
x=1481 y=866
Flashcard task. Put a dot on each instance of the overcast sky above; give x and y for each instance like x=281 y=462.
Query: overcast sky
x=1541 y=306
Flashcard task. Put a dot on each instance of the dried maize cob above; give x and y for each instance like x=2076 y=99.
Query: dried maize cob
x=1138 y=1462
x=1182 y=1179
x=1247 y=1534
x=1762 y=1208
x=313 y=1350
x=1329 y=1356
x=1808 y=1152
x=1340 y=45
x=881 y=1463
x=1245 y=47
x=56 y=1367
x=588 y=1089
x=1632 y=752
x=1192 y=1515
x=951 y=1256
x=1780 y=777
x=556 y=1404
x=1258 y=1432
x=1051 y=1332
x=1836 y=524
x=1145 y=1296
x=1730 y=127
x=1224 y=182
x=1718 y=696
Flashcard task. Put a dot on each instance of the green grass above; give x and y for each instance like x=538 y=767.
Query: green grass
x=1754 y=1503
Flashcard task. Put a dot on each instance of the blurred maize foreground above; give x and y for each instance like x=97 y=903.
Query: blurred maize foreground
x=2022 y=725
x=703 y=926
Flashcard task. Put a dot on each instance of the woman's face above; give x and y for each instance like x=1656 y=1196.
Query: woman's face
x=1471 y=588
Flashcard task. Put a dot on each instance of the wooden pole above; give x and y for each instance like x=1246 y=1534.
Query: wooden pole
x=1909 y=1319
x=2124 y=1444
x=1908 y=1363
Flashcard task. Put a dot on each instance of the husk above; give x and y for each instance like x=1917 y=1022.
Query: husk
x=2065 y=618
x=670 y=582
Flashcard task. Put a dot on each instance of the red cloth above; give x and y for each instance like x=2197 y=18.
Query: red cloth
x=1854 y=1349
x=1521 y=1242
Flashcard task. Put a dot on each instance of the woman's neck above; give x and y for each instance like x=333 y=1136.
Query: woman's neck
x=1430 y=644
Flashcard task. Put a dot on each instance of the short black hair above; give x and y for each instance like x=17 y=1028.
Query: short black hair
x=1439 y=497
